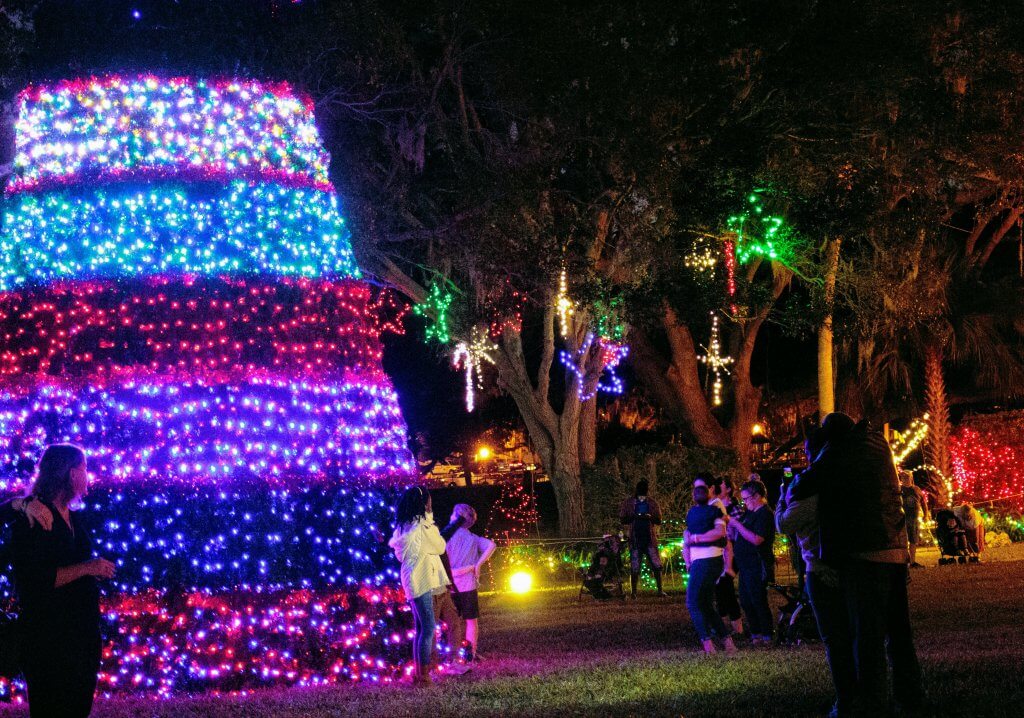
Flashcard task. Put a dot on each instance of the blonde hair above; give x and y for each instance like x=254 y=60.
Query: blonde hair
x=466 y=512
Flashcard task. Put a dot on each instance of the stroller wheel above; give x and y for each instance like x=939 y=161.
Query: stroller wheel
x=961 y=559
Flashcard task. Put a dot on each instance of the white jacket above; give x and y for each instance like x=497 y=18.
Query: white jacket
x=419 y=549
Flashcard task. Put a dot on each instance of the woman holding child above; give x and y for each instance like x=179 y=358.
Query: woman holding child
x=705 y=565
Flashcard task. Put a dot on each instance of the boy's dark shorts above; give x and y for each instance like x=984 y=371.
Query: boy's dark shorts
x=467 y=603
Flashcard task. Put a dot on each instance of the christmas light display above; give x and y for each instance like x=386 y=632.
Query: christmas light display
x=612 y=355
x=435 y=308
x=178 y=296
x=145 y=128
x=716 y=362
x=125 y=232
x=506 y=310
x=760 y=234
x=514 y=514
x=471 y=356
x=729 y=249
x=988 y=463
x=904 y=443
x=563 y=304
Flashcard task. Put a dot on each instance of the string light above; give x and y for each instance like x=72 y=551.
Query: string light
x=729 y=249
x=507 y=311
x=124 y=232
x=563 y=304
x=612 y=355
x=471 y=357
x=178 y=296
x=514 y=513
x=903 y=444
x=145 y=128
x=702 y=260
x=760 y=234
x=435 y=309
x=988 y=463
x=715 y=361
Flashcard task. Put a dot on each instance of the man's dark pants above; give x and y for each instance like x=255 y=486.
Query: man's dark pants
x=829 y=603
x=876 y=596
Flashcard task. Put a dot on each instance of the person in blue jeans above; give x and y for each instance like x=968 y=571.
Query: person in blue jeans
x=418 y=545
x=753 y=536
x=704 y=563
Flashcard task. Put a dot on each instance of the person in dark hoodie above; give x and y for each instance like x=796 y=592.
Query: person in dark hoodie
x=863 y=536
x=799 y=516
x=643 y=516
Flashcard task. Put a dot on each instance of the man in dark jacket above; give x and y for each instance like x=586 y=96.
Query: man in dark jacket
x=643 y=516
x=863 y=534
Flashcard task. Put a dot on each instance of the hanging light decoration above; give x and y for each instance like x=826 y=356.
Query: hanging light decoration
x=470 y=357
x=715 y=361
x=904 y=443
x=612 y=354
x=563 y=304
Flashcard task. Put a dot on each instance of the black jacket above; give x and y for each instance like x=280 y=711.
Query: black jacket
x=859 y=502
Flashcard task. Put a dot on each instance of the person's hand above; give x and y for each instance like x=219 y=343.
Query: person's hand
x=37 y=513
x=730 y=572
x=100 y=568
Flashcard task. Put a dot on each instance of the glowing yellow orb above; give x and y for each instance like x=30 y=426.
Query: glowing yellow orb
x=483 y=453
x=520 y=582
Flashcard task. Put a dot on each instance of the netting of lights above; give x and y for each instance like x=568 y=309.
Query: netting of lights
x=178 y=296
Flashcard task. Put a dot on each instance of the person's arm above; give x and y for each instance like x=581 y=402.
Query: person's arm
x=727 y=560
x=718 y=532
x=448 y=531
x=446 y=562
x=487 y=549
x=752 y=537
x=98 y=567
x=797 y=517
x=655 y=511
x=32 y=509
x=686 y=550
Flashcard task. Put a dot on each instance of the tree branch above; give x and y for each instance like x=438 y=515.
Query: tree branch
x=548 y=350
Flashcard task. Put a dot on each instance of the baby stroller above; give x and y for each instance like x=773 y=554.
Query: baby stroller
x=952 y=539
x=796 y=622
x=603 y=578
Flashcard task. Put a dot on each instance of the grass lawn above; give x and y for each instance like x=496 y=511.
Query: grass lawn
x=550 y=656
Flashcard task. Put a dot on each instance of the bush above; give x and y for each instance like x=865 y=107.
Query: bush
x=668 y=469
x=1005 y=523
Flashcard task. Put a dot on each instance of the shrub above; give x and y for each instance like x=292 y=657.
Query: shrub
x=668 y=469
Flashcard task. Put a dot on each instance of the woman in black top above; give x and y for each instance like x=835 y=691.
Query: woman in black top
x=55 y=577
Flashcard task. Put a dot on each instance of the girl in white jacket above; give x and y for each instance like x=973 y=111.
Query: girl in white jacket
x=418 y=546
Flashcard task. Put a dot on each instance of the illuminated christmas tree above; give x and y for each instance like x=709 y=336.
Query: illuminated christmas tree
x=178 y=296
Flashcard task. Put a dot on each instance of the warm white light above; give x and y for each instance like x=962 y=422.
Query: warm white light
x=520 y=582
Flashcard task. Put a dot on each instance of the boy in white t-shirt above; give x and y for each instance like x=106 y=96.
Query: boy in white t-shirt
x=468 y=553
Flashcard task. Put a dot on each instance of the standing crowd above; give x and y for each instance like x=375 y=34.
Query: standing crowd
x=847 y=514
x=854 y=523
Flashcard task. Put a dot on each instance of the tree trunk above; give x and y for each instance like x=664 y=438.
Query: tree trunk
x=560 y=437
x=936 y=449
x=565 y=480
x=588 y=432
x=826 y=370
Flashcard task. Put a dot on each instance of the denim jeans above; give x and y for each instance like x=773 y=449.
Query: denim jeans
x=700 y=598
x=876 y=597
x=423 y=615
x=829 y=604
x=753 y=587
